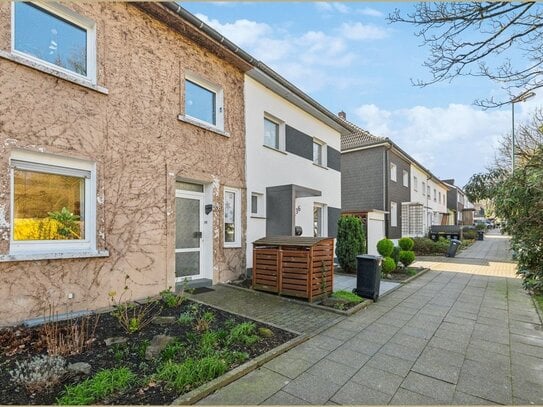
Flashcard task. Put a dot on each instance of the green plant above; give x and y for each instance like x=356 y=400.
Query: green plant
x=191 y=373
x=385 y=247
x=388 y=265
x=120 y=352
x=243 y=333
x=171 y=351
x=171 y=299
x=410 y=271
x=185 y=318
x=141 y=347
x=101 y=385
x=347 y=296
x=209 y=342
x=407 y=257
x=133 y=317
x=406 y=243
x=480 y=226
x=396 y=254
x=68 y=226
x=351 y=241
x=424 y=246
x=203 y=321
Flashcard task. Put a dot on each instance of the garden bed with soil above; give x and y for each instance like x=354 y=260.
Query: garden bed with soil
x=173 y=350
x=401 y=275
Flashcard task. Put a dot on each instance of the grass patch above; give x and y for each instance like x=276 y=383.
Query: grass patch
x=191 y=373
x=101 y=385
x=347 y=296
x=243 y=333
x=411 y=271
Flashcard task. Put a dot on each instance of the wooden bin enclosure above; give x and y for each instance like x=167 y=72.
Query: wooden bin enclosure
x=292 y=265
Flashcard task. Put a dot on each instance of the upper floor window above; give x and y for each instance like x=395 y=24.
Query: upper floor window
x=423 y=187
x=257 y=204
x=405 y=178
x=319 y=152
x=393 y=172
x=439 y=197
x=54 y=35
x=53 y=204
x=435 y=195
x=204 y=102
x=271 y=133
x=428 y=191
x=415 y=183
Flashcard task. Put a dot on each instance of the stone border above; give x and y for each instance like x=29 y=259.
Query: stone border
x=206 y=389
x=420 y=273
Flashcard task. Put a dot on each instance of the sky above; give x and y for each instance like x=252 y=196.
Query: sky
x=349 y=58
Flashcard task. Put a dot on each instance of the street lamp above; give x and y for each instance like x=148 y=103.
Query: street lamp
x=521 y=98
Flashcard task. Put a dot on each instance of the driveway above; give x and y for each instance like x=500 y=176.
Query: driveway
x=448 y=337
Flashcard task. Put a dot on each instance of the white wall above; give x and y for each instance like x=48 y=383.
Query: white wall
x=433 y=209
x=267 y=167
x=375 y=230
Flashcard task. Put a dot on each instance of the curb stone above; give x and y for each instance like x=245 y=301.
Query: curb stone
x=227 y=378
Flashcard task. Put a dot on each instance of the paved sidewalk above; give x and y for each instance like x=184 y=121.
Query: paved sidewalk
x=494 y=247
x=445 y=338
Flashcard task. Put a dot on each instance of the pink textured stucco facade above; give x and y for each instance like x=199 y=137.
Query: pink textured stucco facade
x=140 y=148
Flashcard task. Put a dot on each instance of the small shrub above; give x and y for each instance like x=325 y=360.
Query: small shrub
x=396 y=254
x=385 y=247
x=141 y=347
x=191 y=373
x=99 y=386
x=209 y=342
x=469 y=234
x=171 y=351
x=351 y=241
x=407 y=257
x=425 y=247
x=38 y=373
x=203 y=322
x=347 y=296
x=133 y=317
x=243 y=333
x=388 y=265
x=406 y=243
x=185 y=318
x=171 y=299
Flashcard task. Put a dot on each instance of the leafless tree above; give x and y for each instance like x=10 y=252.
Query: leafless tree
x=502 y=41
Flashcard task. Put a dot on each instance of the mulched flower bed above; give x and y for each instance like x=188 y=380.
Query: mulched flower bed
x=20 y=344
x=402 y=274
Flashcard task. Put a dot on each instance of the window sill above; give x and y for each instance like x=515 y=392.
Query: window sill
x=274 y=149
x=320 y=166
x=196 y=123
x=51 y=71
x=258 y=217
x=52 y=256
x=233 y=246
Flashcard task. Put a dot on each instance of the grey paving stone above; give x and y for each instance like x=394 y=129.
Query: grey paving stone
x=390 y=364
x=417 y=332
x=358 y=394
x=347 y=356
x=325 y=342
x=407 y=397
x=337 y=373
x=339 y=333
x=481 y=386
x=401 y=351
x=528 y=340
x=489 y=346
x=311 y=388
x=282 y=398
x=308 y=353
x=254 y=388
x=361 y=345
x=465 y=399
x=438 y=370
x=289 y=366
x=484 y=356
x=429 y=387
x=448 y=344
x=408 y=340
x=488 y=370
x=531 y=391
x=491 y=334
x=378 y=379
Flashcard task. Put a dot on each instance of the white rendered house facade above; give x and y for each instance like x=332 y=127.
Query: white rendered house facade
x=292 y=165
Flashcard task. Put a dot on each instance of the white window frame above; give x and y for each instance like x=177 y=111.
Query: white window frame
x=393 y=175
x=56 y=165
x=66 y=14
x=237 y=218
x=324 y=218
x=393 y=214
x=281 y=129
x=435 y=195
x=324 y=156
x=219 y=100
x=405 y=178
x=259 y=205
x=415 y=183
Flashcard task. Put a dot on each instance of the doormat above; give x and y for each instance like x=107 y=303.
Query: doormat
x=201 y=290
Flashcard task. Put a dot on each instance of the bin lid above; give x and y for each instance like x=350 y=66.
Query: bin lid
x=289 y=241
x=368 y=256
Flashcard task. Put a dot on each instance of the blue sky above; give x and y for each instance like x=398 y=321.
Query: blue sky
x=348 y=57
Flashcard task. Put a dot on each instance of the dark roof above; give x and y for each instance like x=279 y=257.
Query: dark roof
x=289 y=241
x=358 y=138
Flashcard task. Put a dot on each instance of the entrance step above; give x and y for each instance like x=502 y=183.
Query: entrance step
x=196 y=283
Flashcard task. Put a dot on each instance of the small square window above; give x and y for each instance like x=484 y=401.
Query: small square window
x=271 y=133
x=393 y=176
x=204 y=102
x=56 y=37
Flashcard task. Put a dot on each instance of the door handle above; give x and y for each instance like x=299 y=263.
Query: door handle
x=197 y=235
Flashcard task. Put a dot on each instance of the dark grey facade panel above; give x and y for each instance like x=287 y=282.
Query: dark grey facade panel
x=333 y=159
x=279 y=210
x=298 y=143
x=333 y=216
x=362 y=180
x=397 y=192
x=452 y=199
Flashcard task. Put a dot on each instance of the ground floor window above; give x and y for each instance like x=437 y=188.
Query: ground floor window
x=52 y=203
x=319 y=220
x=393 y=214
x=232 y=217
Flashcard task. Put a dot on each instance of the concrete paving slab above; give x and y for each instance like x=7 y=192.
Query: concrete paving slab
x=411 y=398
x=357 y=394
x=378 y=379
x=282 y=398
x=429 y=387
x=311 y=388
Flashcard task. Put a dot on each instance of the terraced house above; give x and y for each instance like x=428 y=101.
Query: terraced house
x=122 y=154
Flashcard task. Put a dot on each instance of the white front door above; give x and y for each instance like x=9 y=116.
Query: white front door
x=189 y=236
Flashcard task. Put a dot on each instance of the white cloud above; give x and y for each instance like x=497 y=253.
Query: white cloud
x=331 y=7
x=360 y=32
x=245 y=33
x=370 y=12
x=453 y=142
